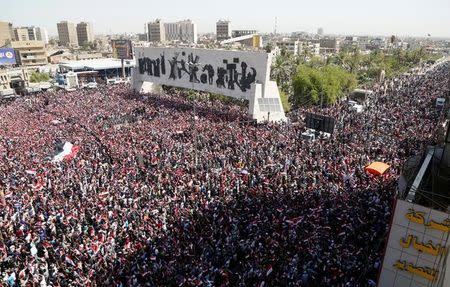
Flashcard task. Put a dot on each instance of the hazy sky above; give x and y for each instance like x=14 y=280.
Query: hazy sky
x=362 y=17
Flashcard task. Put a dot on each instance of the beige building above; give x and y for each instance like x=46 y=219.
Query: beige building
x=156 y=31
x=30 y=53
x=21 y=34
x=67 y=34
x=31 y=33
x=6 y=33
x=85 y=33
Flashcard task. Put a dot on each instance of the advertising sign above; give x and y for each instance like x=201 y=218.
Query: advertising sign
x=7 y=56
x=417 y=247
x=122 y=49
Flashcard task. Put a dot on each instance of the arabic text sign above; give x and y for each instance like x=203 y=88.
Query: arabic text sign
x=230 y=73
x=416 y=247
x=7 y=56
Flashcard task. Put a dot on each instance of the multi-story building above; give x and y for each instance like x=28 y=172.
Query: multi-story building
x=85 y=33
x=6 y=33
x=223 y=30
x=30 y=33
x=290 y=46
x=188 y=31
x=156 y=31
x=21 y=34
x=320 y=31
x=35 y=33
x=30 y=53
x=329 y=45
x=67 y=34
x=239 y=33
x=142 y=37
x=183 y=31
x=309 y=48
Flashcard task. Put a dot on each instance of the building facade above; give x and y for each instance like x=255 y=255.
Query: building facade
x=223 y=30
x=331 y=45
x=35 y=34
x=67 y=34
x=30 y=53
x=6 y=33
x=240 y=33
x=31 y=33
x=183 y=31
x=85 y=33
x=290 y=46
x=156 y=31
x=21 y=34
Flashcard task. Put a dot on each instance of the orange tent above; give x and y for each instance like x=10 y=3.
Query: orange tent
x=377 y=168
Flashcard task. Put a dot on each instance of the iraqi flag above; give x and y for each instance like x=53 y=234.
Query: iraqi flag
x=68 y=152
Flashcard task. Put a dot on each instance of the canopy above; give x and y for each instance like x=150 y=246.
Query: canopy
x=377 y=168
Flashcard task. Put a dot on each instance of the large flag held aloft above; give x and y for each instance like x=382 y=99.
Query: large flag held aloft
x=69 y=152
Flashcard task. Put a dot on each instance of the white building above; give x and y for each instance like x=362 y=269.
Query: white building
x=183 y=31
x=306 y=47
x=291 y=46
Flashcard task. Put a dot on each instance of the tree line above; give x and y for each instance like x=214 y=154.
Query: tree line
x=309 y=81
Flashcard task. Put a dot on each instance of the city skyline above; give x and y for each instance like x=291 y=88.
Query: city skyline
x=403 y=18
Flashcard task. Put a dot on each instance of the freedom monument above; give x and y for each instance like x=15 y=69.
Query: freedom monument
x=237 y=74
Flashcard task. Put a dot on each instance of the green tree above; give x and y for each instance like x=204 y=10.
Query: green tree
x=37 y=77
x=322 y=86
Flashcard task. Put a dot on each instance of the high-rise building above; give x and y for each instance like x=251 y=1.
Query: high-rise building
x=30 y=53
x=320 y=31
x=30 y=33
x=6 y=33
x=67 y=34
x=21 y=34
x=35 y=33
x=156 y=31
x=85 y=33
x=188 y=31
x=184 y=31
x=223 y=30
x=44 y=35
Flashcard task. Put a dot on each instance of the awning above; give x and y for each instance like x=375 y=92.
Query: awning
x=377 y=168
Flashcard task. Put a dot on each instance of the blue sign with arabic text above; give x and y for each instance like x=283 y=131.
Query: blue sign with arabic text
x=7 y=56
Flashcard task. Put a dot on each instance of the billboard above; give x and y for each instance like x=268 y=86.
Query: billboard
x=417 y=247
x=7 y=56
x=230 y=73
x=122 y=49
x=320 y=123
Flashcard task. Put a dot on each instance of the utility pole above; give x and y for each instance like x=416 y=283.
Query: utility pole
x=123 y=69
x=194 y=119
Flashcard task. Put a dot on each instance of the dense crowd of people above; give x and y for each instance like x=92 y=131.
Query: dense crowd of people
x=158 y=196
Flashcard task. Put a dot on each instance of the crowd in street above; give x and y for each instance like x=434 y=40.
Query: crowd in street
x=160 y=196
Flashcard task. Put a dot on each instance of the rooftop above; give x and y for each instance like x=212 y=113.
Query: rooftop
x=97 y=64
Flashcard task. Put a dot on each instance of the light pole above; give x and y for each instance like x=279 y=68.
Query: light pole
x=192 y=66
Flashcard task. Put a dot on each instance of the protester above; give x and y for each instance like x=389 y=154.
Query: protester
x=154 y=195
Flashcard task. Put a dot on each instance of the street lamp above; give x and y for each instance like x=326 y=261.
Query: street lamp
x=193 y=65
